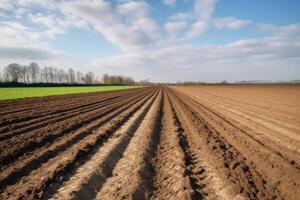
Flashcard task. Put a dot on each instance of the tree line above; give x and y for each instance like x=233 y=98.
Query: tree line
x=33 y=74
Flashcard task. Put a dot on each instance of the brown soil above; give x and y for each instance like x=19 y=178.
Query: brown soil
x=206 y=142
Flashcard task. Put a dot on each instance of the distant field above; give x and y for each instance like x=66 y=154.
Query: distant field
x=23 y=92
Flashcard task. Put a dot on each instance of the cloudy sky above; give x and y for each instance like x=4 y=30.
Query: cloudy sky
x=160 y=40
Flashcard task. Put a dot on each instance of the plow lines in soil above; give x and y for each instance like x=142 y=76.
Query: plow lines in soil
x=148 y=143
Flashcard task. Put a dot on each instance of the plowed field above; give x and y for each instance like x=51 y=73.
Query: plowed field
x=203 y=142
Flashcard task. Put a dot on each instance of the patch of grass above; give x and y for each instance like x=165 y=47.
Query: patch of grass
x=23 y=92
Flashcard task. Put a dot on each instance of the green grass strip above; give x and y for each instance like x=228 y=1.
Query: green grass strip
x=23 y=92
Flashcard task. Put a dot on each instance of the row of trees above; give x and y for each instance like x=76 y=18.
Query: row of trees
x=116 y=79
x=33 y=73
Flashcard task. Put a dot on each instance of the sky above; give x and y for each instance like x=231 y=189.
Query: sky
x=160 y=40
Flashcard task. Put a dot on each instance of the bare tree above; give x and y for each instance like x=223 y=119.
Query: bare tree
x=117 y=79
x=51 y=74
x=89 y=78
x=105 y=79
x=46 y=74
x=66 y=78
x=28 y=74
x=34 y=70
x=13 y=72
x=147 y=82
x=55 y=73
x=71 y=75
x=79 y=77
x=23 y=72
x=6 y=77
x=60 y=75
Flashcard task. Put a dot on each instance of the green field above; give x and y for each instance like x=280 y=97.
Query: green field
x=23 y=92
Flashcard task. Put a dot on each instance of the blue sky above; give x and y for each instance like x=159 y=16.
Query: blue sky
x=161 y=40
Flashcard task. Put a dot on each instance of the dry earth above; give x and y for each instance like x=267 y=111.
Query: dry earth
x=205 y=142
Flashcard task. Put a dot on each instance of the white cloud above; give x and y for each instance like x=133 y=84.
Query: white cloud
x=203 y=11
x=135 y=32
x=275 y=57
x=199 y=20
x=183 y=16
x=94 y=12
x=30 y=53
x=19 y=41
x=174 y=28
x=15 y=33
x=53 y=24
x=204 y=19
x=126 y=25
x=198 y=28
x=170 y=2
x=230 y=22
x=134 y=9
x=49 y=4
x=6 y=5
x=292 y=29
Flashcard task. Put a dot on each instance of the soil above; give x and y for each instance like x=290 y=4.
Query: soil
x=200 y=142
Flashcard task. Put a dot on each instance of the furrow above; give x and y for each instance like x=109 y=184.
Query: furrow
x=171 y=176
x=34 y=185
x=278 y=175
x=51 y=104
x=45 y=116
x=205 y=183
x=49 y=120
x=58 y=110
x=50 y=134
x=132 y=175
x=33 y=161
x=223 y=160
x=287 y=152
x=89 y=178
